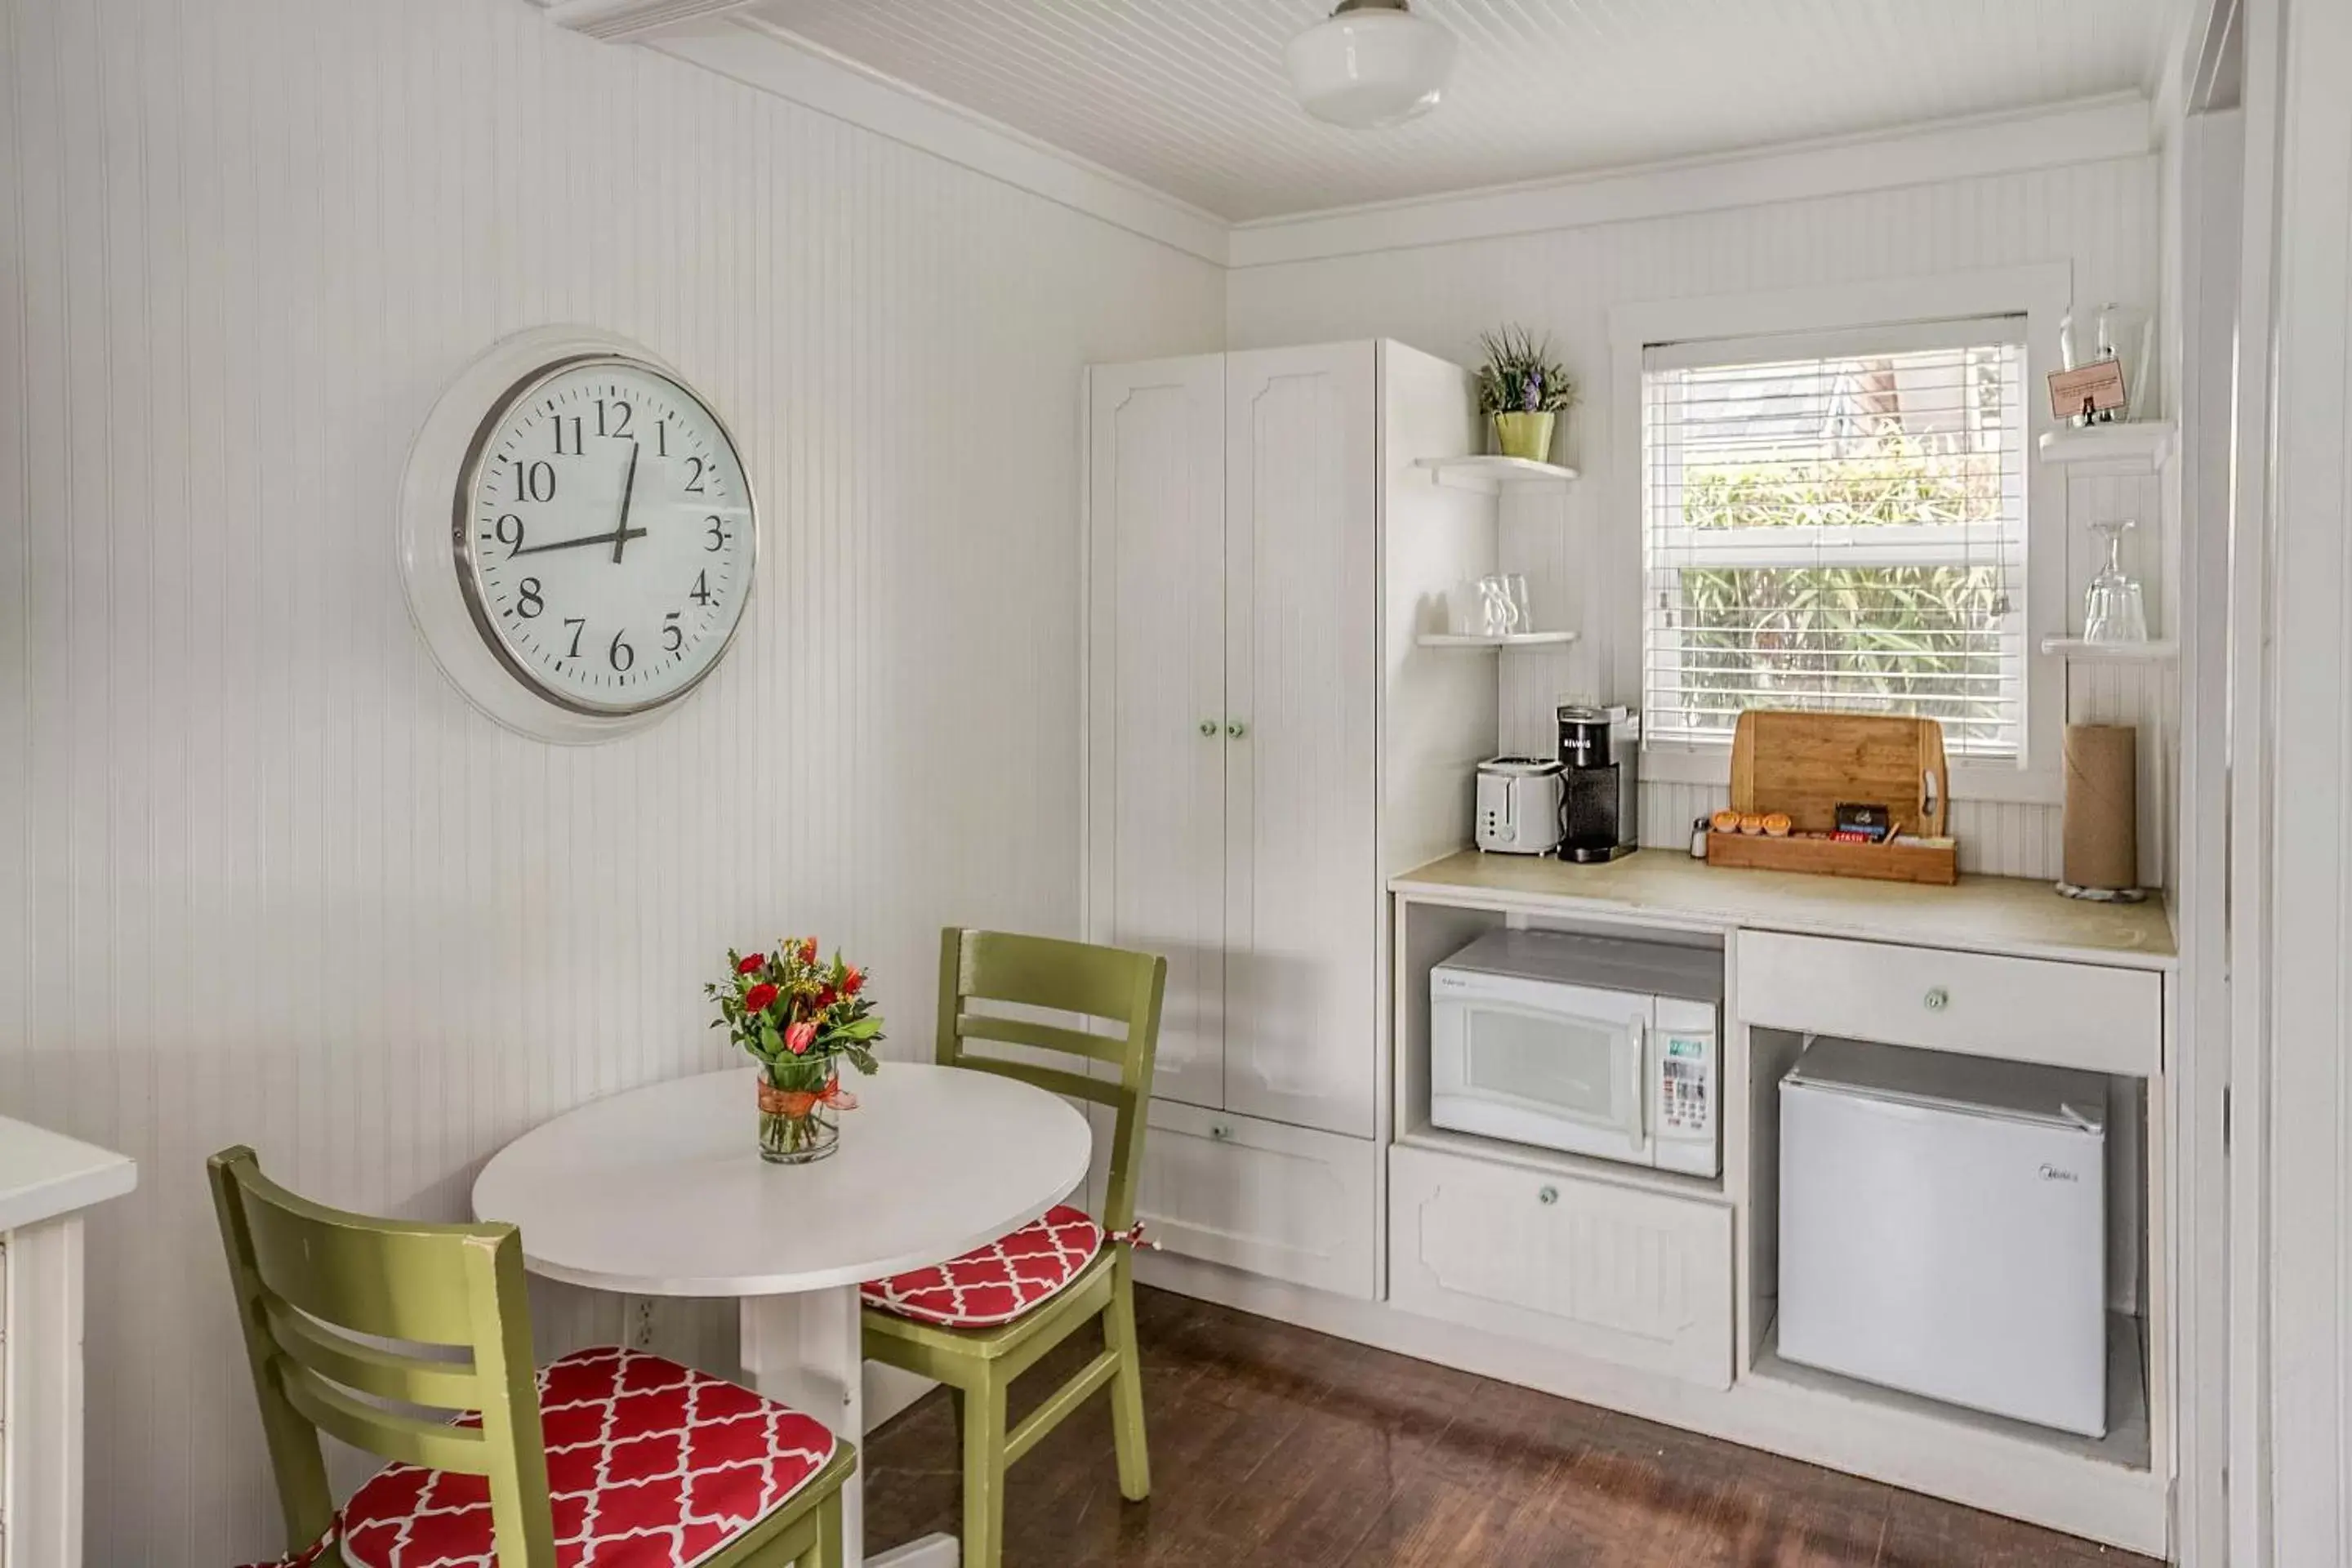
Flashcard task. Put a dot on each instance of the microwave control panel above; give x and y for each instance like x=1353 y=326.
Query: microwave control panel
x=1685 y=1108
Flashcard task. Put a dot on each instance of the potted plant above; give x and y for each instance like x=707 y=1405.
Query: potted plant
x=1523 y=389
x=797 y=1018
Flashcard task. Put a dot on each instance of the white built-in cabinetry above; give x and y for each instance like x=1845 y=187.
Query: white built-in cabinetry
x=46 y=1184
x=1238 y=642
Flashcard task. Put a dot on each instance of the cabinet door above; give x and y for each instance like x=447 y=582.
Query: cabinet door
x=1636 y=1278
x=1284 y=1202
x=1301 y=583
x=1155 y=684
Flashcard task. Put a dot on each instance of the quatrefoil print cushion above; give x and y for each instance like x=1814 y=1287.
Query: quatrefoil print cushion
x=994 y=1284
x=649 y=1465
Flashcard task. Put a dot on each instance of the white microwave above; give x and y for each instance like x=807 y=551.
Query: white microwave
x=1590 y=1045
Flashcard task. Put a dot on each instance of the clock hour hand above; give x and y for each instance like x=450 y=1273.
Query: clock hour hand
x=613 y=538
x=621 y=535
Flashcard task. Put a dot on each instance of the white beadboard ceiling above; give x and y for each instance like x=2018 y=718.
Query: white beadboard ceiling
x=1190 y=99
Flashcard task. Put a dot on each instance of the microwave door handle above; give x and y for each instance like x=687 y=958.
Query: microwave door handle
x=1638 y=1124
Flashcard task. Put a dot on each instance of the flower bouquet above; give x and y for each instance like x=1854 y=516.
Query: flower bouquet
x=797 y=1017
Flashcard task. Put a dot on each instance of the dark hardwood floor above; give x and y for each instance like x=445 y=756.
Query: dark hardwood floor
x=1275 y=1448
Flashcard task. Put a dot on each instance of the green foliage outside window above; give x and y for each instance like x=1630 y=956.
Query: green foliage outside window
x=1900 y=639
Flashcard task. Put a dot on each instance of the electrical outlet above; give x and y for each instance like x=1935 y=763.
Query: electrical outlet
x=641 y=1324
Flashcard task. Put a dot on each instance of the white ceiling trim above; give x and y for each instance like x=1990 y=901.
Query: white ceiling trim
x=2117 y=126
x=764 y=56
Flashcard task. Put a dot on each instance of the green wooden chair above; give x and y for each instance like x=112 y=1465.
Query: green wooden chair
x=979 y=1365
x=309 y=1279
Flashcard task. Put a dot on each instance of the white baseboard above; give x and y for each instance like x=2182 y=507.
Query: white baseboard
x=890 y=1390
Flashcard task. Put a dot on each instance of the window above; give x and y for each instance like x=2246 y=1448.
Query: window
x=1838 y=520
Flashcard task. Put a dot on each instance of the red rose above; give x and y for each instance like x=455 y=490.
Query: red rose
x=757 y=999
x=800 y=1038
x=853 y=982
x=808 y=950
x=753 y=964
x=826 y=997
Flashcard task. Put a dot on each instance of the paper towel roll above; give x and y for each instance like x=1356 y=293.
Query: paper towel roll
x=2102 y=806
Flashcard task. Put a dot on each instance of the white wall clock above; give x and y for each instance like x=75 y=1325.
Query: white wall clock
x=578 y=536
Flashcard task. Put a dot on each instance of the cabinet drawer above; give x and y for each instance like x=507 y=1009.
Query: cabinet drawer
x=1286 y=1202
x=1641 y=1280
x=2025 y=1009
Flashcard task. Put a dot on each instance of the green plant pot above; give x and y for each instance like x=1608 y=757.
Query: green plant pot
x=1525 y=435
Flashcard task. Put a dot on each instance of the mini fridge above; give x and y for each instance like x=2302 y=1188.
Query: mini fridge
x=1943 y=1224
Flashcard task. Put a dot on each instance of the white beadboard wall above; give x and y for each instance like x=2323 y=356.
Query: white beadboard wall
x=265 y=876
x=2102 y=217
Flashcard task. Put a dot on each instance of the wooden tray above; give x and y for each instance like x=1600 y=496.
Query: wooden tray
x=1806 y=764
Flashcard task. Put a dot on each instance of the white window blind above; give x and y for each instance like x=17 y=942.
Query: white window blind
x=1838 y=521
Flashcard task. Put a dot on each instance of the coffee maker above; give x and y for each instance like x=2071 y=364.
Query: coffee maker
x=1598 y=794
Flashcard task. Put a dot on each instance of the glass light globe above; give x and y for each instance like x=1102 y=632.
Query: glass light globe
x=1372 y=63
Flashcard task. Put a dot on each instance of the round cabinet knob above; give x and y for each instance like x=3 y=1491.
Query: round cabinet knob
x=1548 y=1196
x=1208 y=726
x=1220 y=1131
x=1236 y=729
x=1938 y=999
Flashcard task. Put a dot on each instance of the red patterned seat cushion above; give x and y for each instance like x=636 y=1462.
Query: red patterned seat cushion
x=994 y=1284
x=649 y=1465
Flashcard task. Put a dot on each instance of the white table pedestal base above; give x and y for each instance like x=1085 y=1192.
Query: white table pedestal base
x=808 y=1350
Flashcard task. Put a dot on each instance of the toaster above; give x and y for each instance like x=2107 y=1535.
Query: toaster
x=1518 y=806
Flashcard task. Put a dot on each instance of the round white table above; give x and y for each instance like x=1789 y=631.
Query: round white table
x=661 y=1191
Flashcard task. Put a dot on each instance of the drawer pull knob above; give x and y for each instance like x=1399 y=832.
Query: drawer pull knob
x=1220 y=1131
x=1548 y=1196
x=1938 y=999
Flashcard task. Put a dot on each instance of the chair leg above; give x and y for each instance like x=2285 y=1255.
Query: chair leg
x=983 y=1474
x=1127 y=1391
x=828 y=1553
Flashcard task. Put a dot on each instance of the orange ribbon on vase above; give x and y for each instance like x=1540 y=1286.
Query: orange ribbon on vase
x=795 y=1103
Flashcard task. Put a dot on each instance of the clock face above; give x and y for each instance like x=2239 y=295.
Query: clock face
x=605 y=535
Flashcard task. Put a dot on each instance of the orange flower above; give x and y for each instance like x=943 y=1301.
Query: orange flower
x=853 y=982
x=808 y=950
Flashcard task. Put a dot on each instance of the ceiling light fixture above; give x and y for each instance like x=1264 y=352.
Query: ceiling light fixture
x=1371 y=63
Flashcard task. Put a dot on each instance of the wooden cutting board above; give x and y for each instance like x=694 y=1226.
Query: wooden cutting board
x=1807 y=764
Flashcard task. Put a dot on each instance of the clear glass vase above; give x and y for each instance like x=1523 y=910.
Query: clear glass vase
x=798 y=1123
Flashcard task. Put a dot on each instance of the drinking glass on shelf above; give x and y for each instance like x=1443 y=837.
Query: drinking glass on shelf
x=1522 y=618
x=2113 y=608
x=1500 y=615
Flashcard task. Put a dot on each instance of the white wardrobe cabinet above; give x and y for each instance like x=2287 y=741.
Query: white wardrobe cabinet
x=1232 y=674
x=1233 y=700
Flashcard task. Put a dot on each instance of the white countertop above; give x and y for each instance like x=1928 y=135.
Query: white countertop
x=44 y=1174
x=1980 y=914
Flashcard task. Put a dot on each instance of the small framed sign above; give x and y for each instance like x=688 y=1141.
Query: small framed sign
x=2088 y=392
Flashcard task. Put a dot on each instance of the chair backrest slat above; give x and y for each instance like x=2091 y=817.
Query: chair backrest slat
x=1046 y=1036
x=387 y=1375
x=311 y=1282
x=1106 y=983
x=1053 y=1080
x=435 y=1445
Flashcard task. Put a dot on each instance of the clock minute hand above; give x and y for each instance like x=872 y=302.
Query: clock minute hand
x=612 y=539
x=621 y=535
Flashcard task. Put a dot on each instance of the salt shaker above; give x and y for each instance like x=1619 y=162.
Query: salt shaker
x=1698 y=839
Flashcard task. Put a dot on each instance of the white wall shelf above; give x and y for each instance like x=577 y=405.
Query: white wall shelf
x=1487 y=474
x=2141 y=445
x=2075 y=650
x=1512 y=640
